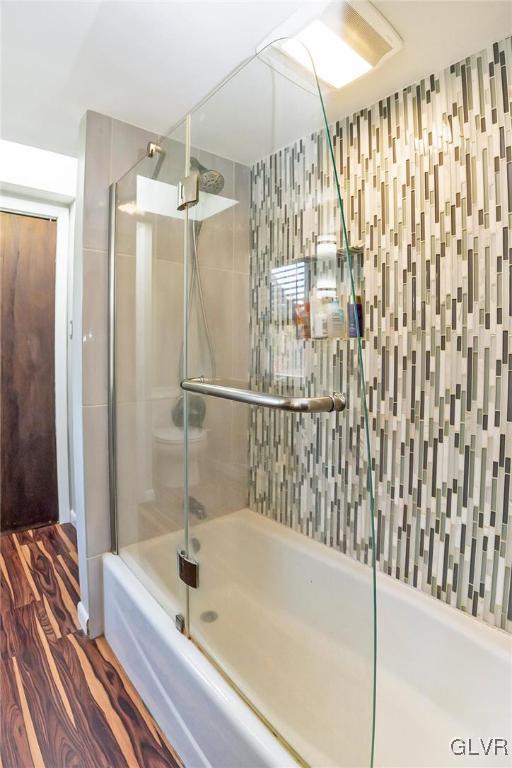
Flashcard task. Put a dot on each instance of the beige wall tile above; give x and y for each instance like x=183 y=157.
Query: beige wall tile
x=96 y=479
x=125 y=336
x=161 y=410
x=218 y=299
x=217 y=422
x=94 y=575
x=168 y=238
x=127 y=473
x=107 y=147
x=97 y=180
x=214 y=240
x=172 y=167
x=129 y=145
x=94 y=327
x=134 y=468
x=167 y=322
x=111 y=148
x=125 y=235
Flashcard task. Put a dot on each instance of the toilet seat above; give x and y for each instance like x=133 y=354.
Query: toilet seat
x=175 y=435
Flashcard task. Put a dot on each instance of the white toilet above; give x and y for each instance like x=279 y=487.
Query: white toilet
x=170 y=455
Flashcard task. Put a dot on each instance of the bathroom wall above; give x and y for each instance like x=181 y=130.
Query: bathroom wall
x=150 y=472
x=108 y=148
x=426 y=177
x=223 y=257
x=223 y=254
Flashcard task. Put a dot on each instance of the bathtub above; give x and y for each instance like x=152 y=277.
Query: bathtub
x=292 y=629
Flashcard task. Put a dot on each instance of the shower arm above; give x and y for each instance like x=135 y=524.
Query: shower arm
x=216 y=388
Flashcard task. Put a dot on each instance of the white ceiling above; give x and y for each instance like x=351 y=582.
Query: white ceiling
x=149 y=62
x=435 y=34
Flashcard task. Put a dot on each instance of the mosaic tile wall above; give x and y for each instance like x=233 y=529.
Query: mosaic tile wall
x=426 y=176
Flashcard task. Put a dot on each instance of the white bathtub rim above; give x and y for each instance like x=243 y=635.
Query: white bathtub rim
x=399 y=610
x=490 y=638
x=247 y=723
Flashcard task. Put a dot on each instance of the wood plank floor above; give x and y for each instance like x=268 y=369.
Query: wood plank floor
x=65 y=701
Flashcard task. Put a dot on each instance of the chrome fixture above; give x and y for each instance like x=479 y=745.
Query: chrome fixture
x=188 y=191
x=152 y=150
x=215 y=388
x=210 y=180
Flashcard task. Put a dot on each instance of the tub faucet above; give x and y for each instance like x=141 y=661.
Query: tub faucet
x=196 y=508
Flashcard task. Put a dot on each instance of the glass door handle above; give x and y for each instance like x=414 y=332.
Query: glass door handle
x=217 y=388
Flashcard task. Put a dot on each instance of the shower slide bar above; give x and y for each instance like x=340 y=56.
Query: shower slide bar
x=216 y=388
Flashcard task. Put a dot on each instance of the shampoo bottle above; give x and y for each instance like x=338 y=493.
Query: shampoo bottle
x=355 y=310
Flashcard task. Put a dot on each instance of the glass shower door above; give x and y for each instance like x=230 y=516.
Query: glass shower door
x=277 y=500
x=148 y=341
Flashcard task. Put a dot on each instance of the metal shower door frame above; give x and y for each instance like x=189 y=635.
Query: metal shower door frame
x=111 y=400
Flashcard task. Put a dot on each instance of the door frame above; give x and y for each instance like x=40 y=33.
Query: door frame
x=63 y=328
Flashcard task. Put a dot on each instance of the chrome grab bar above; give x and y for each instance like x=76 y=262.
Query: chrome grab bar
x=215 y=388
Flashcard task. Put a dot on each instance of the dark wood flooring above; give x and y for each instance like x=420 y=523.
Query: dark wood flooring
x=65 y=701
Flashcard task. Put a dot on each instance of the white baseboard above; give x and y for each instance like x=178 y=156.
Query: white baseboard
x=83 y=618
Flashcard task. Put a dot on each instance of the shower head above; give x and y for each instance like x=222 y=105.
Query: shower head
x=209 y=180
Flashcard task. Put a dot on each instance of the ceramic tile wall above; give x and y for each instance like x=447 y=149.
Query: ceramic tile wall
x=223 y=257
x=426 y=177
x=108 y=148
x=149 y=471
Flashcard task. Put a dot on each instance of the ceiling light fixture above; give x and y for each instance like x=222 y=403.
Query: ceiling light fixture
x=344 y=42
x=335 y=62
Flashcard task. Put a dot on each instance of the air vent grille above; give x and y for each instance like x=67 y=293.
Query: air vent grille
x=356 y=32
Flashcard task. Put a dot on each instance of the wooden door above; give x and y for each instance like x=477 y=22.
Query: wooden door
x=27 y=420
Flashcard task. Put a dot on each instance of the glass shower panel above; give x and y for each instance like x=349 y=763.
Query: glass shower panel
x=149 y=266
x=278 y=501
